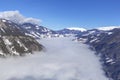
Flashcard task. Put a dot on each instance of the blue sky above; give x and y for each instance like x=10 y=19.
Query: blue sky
x=58 y=14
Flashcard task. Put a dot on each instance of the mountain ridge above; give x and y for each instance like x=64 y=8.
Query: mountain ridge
x=14 y=42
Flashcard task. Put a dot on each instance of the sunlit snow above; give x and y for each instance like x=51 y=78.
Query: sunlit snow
x=77 y=28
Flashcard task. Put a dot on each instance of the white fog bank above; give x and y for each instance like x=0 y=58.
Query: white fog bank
x=63 y=60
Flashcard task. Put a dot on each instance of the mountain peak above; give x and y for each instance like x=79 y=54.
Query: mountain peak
x=77 y=28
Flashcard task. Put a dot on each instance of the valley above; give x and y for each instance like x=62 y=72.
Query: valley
x=62 y=59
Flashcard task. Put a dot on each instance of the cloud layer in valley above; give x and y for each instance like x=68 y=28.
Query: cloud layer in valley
x=17 y=17
x=62 y=60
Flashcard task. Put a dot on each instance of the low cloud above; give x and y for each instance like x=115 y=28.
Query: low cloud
x=62 y=60
x=17 y=17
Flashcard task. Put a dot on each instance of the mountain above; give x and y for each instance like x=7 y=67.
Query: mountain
x=106 y=44
x=37 y=31
x=70 y=31
x=14 y=41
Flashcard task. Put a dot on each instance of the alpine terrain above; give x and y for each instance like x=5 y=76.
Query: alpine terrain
x=14 y=41
x=66 y=54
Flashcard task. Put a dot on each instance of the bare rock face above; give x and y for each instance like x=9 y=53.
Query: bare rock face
x=14 y=42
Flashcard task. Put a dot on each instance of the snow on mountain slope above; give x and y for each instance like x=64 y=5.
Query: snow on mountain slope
x=38 y=31
x=14 y=42
x=108 y=28
x=62 y=60
x=106 y=44
x=77 y=28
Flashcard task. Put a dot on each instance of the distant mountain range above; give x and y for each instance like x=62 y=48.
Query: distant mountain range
x=19 y=39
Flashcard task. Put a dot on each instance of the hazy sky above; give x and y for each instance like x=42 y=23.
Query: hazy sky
x=57 y=14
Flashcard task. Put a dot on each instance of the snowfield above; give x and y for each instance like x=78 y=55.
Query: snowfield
x=63 y=59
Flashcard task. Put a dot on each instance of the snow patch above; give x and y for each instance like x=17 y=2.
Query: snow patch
x=7 y=42
x=3 y=20
x=109 y=33
x=28 y=27
x=93 y=40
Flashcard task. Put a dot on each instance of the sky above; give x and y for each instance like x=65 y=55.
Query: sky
x=58 y=14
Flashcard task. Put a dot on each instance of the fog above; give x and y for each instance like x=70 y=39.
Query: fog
x=63 y=59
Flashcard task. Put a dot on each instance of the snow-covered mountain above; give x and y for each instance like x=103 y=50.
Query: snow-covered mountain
x=14 y=41
x=106 y=44
x=71 y=31
x=30 y=25
x=32 y=28
x=37 y=31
